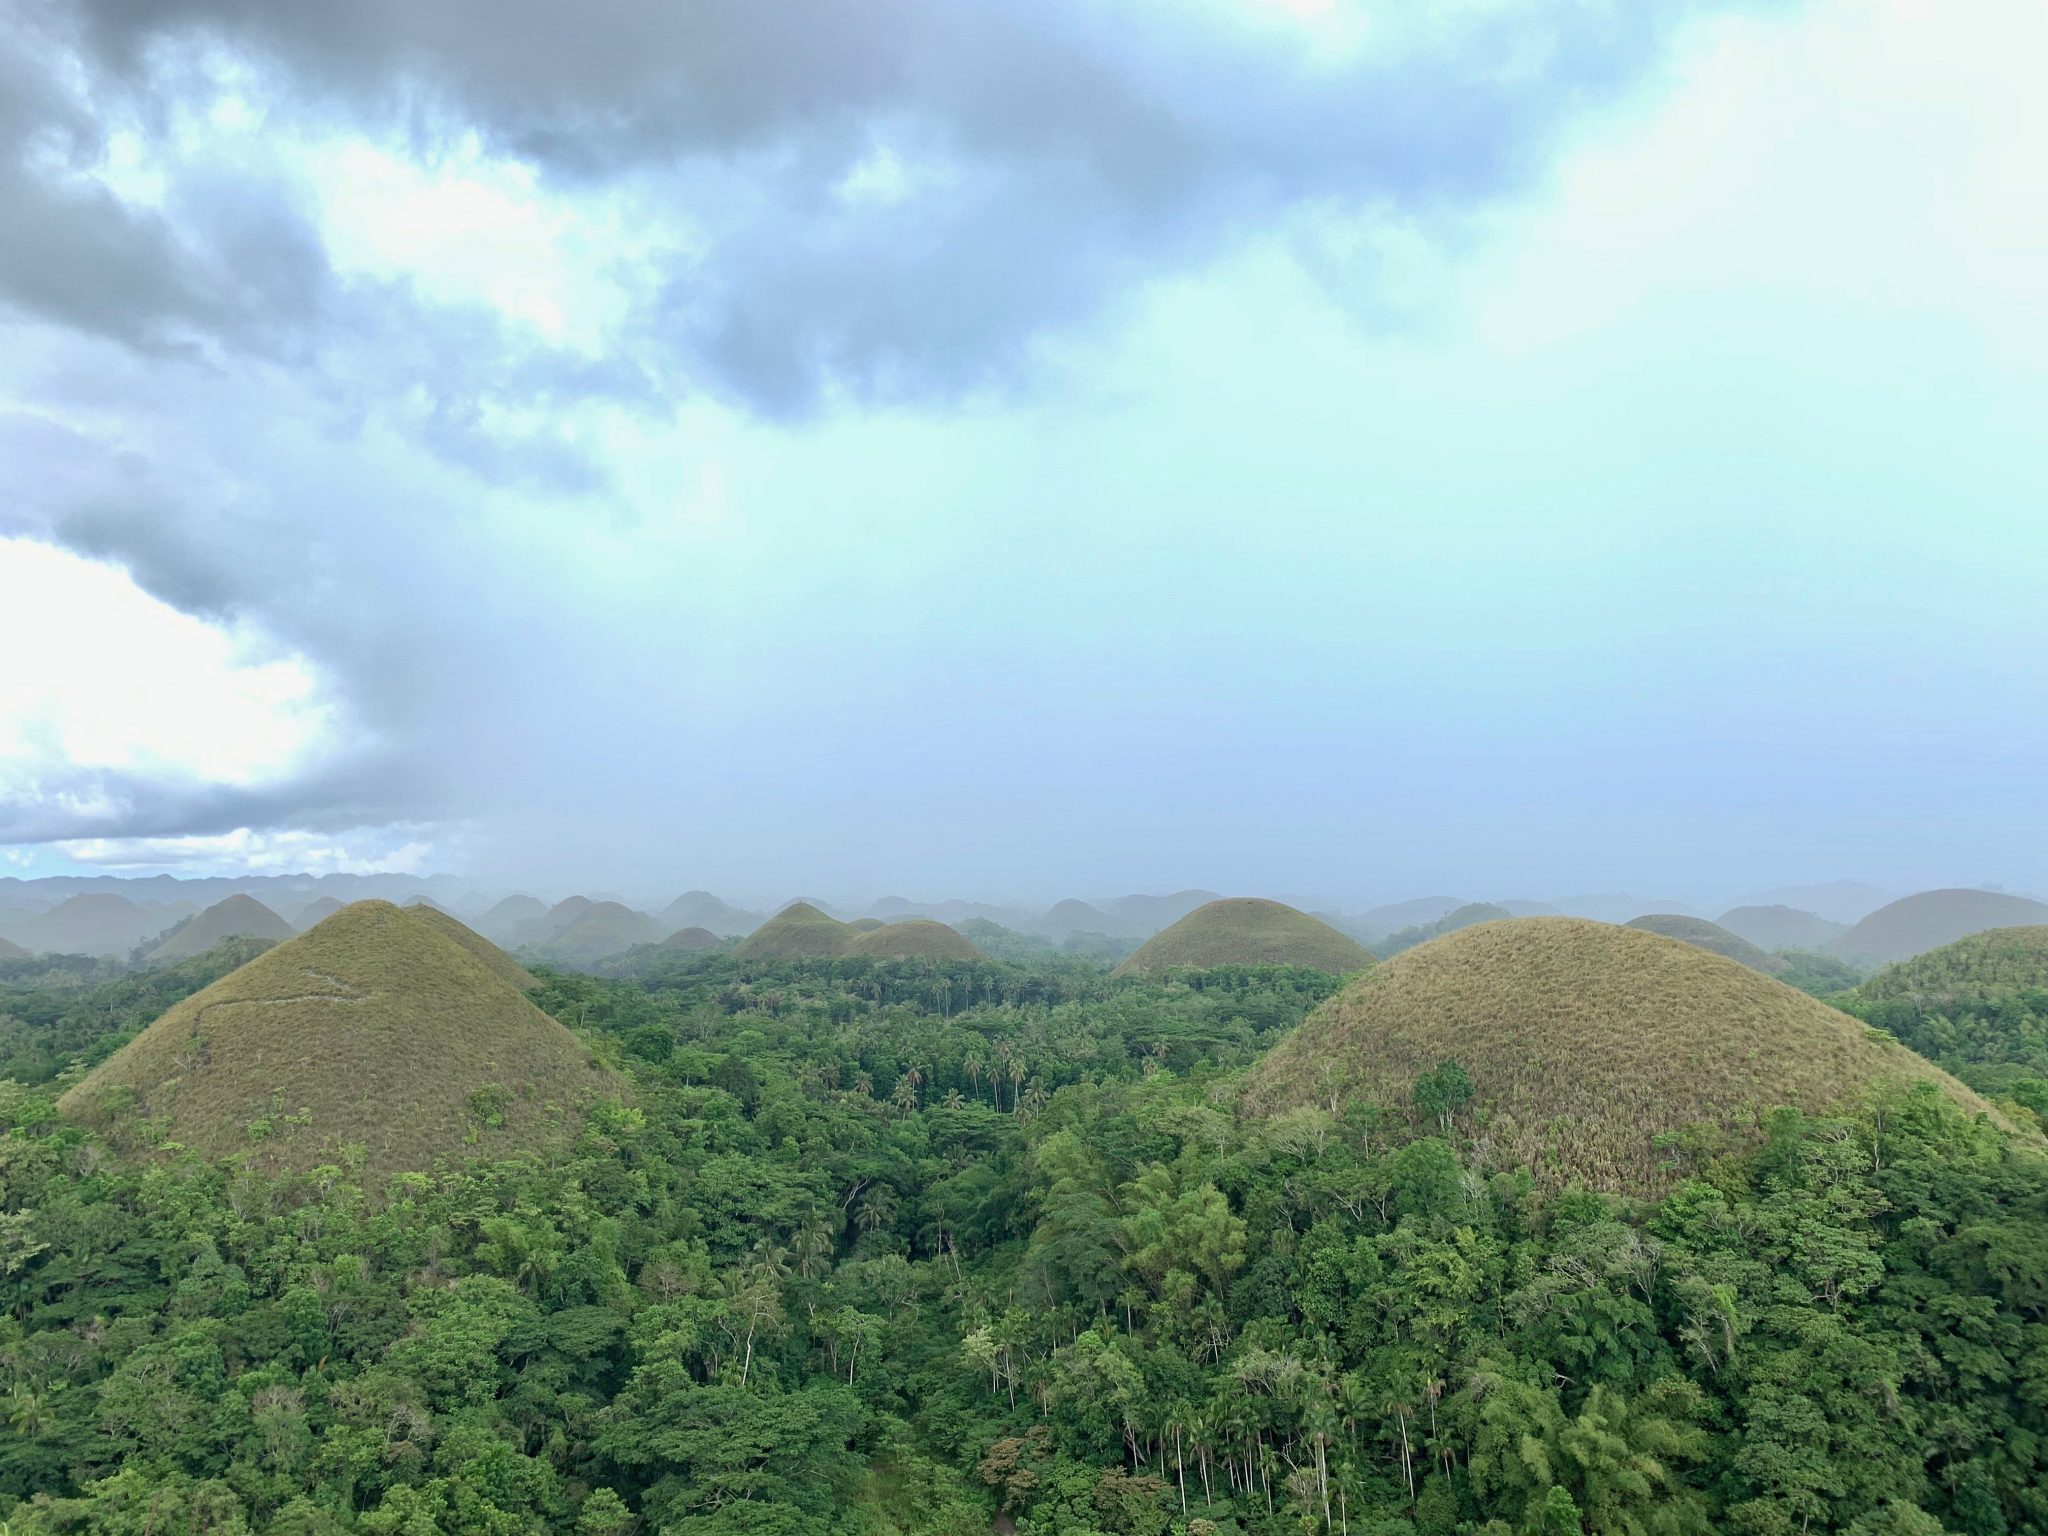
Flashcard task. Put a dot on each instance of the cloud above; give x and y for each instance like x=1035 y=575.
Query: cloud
x=888 y=201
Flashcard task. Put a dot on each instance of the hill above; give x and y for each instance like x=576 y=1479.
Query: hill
x=1584 y=1043
x=603 y=928
x=98 y=923
x=233 y=918
x=1990 y=967
x=701 y=909
x=1459 y=917
x=1139 y=917
x=1071 y=916
x=9 y=950
x=493 y=959
x=1912 y=925
x=1781 y=927
x=798 y=932
x=1711 y=937
x=306 y=914
x=510 y=920
x=692 y=938
x=1247 y=931
x=913 y=939
x=557 y=920
x=1392 y=918
x=375 y=1030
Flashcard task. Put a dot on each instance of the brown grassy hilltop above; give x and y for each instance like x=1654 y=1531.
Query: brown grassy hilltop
x=692 y=938
x=798 y=932
x=1584 y=1042
x=914 y=938
x=9 y=950
x=374 y=1030
x=318 y=910
x=236 y=917
x=1247 y=931
x=1912 y=925
x=1711 y=937
x=493 y=959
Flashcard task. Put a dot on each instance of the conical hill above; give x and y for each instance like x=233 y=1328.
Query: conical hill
x=235 y=917
x=1247 y=931
x=1711 y=937
x=912 y=939
x=1584 y=1043
x=375 y=1030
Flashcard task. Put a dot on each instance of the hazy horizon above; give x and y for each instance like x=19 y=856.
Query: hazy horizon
x=1278 y=448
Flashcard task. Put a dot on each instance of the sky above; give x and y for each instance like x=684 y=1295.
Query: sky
x=1354 y=450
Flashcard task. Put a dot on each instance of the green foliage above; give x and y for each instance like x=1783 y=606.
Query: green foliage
x=895 y=1248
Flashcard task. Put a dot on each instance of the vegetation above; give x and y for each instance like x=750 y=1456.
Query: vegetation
x=798 y=932
x=1780 y=927
x=930 y=1248
x=373 y=1040
x=1466 y=916
x=1599 y=1055
x=1711 y=937
x=493 y=959
x=1978 y=1006
x=911 y=939
x=693 y=938
x=1913 y=925
x=236 y=917
x=1240 y=931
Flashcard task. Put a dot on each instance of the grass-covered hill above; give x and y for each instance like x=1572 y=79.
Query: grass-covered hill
x=798 y=932
x=1243 y=930
x=600 y=929
x=557 y=920
x=512 y=919
x=1772 y=928
x=373 y=1030
x=318 y=910
x=1584 y=1043
x=493 y=959
x=1709 y=936
x=232 y=918
x=1912 y=925
x=1072 y=916
x=692 y=938
x=1465 y=916
x=914 y=938
x=9 y=950
x=98 y=923
x=1978 y=1006
x=701 y=909
x=1988 y=967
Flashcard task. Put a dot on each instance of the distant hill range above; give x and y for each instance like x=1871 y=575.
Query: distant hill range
x=1780 y=927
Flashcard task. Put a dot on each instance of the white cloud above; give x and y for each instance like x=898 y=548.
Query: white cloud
x=108 y=680
x=402 y=850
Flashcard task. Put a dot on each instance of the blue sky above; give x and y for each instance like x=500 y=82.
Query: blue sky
x=1314 y=449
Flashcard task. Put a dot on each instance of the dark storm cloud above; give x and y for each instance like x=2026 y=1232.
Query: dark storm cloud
x=1053 y=151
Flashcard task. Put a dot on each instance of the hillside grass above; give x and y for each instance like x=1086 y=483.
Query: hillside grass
x=798 y=932
x=600 y=929
x=692 y=938
x=1912 y=925
x=912 y=939
x=375 y=1031
x=1248 y=931
x=1711 y=937
x=1781 y=927
x=494 y=959
x=1586 y=1045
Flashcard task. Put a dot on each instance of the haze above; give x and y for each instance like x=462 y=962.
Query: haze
x=1333 y=451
